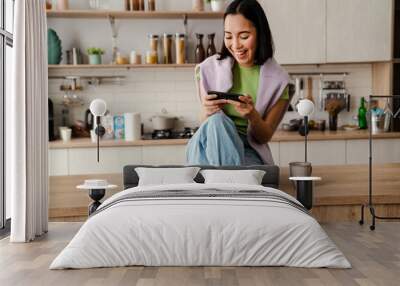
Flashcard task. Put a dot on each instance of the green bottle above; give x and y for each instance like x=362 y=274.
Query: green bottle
x=362 y=115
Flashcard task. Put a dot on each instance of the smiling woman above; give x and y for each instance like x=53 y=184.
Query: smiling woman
x=237 y=132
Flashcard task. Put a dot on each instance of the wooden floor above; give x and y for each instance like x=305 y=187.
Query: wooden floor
x=375 y=257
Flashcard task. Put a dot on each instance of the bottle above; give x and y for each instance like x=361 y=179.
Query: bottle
x=211 y=50
x=200 y=53
x=362 y=115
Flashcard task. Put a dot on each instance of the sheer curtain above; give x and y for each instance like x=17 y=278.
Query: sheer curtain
x=27 y=133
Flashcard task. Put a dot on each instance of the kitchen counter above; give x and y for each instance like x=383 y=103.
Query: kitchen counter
x=279 y=136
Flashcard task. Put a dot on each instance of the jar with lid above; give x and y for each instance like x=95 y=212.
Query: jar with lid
x=141 y=5
x=197 y=5
x=132 y=5
x=180 y=46
x=167 y=49
x=153 y=43
x=151 y=57
x=151 y=5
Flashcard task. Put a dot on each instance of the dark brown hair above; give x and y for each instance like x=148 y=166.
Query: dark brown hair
x=252 y=11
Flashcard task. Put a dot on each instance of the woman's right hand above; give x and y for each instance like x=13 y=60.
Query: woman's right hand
x=211 y=105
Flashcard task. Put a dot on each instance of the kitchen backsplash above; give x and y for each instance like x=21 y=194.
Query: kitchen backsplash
x=151 y=91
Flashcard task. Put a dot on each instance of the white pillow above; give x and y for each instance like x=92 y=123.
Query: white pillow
x=166 y=176
x=248 y=177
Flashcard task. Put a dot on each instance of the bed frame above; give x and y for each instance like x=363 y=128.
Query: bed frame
x=270 y=179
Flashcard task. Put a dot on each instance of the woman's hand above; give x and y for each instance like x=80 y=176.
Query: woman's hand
x=211 y=105
x=246 y=107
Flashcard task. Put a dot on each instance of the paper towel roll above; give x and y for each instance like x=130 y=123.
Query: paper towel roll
x=132 y=126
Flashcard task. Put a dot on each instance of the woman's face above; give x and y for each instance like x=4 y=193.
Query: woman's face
x=240 y=39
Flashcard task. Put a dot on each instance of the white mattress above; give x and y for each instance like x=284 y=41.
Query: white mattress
x=200 y=232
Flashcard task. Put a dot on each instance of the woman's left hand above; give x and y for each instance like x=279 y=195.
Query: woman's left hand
x=246 y=107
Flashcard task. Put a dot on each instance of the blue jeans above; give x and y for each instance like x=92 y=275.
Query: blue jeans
x=218 y=143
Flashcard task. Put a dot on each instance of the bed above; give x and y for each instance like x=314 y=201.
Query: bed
x=198 y=224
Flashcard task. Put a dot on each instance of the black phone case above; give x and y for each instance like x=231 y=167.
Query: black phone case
x=225 y=95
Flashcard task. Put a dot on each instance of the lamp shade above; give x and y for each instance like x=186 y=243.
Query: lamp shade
x=305 y=107
x=98 y=107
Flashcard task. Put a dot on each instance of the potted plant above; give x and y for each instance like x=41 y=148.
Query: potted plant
x=95 y=55
x=217 y=5
x=334 y=106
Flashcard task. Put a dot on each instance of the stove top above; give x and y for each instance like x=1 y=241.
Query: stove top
x=187 y=133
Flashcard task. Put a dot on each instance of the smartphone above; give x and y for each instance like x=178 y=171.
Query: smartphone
x=225 y=95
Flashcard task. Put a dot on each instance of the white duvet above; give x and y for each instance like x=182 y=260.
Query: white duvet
x=200 y=231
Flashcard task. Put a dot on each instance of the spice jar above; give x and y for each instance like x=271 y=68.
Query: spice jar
x=167 y=49
x=153 y=43
x=180 y=46
x=151 y=57
x=48 y=5
x=141 y=5
x=135 y=58
x=198 y=5
x=151 y=5
x=132 y=5
x=62 y=5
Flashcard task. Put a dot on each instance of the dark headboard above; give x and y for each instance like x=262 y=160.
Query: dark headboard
x=270 y=179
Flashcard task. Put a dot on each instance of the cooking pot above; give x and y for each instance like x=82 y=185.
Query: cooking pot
x=163 y=122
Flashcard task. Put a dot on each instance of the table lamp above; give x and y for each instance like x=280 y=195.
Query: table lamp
x=305 y=107
x=98 y=108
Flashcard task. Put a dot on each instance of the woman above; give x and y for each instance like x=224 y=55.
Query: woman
x=236 y=133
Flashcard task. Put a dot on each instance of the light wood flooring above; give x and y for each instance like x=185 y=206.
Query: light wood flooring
x=375 y=257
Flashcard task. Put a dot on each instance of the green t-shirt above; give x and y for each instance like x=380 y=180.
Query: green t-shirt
x=245 y=81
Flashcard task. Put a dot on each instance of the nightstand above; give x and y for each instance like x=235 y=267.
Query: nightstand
x=304 y=190
x=97 y=190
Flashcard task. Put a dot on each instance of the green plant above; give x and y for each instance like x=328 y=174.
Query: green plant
x=95 y=51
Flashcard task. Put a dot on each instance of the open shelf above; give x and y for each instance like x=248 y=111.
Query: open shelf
x=110 y=66
x=133 y=14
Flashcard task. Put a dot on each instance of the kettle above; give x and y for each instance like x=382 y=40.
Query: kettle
x=89 y=120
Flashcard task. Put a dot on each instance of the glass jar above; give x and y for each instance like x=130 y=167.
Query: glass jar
x=151 y=5
x=180 y=46
x=141 y=5
x=62 y=5
x=151 y=57
x=153 y=44
x=198 y=5
x=167 y=49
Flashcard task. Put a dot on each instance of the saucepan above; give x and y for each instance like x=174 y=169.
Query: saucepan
x=163 y=122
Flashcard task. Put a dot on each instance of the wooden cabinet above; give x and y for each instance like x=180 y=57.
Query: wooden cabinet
x=112 y=160
x=359 y=30
x=298 y=30
x=383 y=150
x=319 y=152
x=58 y=162
x=164 y=155
x=83 y=161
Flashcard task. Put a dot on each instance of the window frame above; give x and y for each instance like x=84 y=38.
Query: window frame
x=6 y=39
